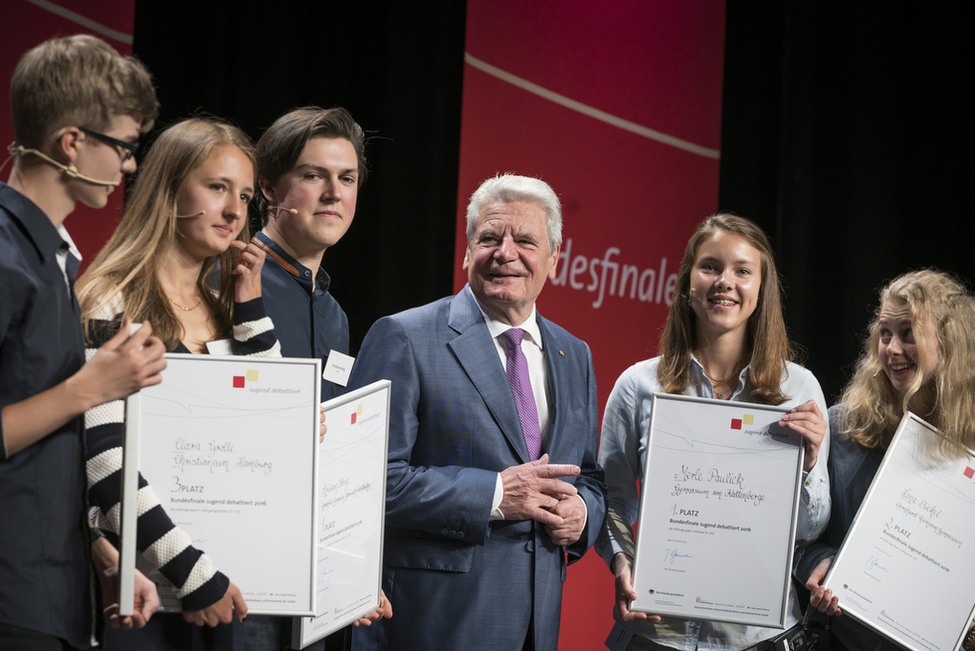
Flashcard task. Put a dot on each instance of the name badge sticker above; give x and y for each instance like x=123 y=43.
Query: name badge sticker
x=220 y=347
x=338 y=368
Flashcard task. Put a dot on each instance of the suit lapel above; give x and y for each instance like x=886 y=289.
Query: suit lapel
x=477 y=354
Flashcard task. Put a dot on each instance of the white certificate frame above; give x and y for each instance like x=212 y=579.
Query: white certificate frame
x=352 y=471
x=718 y=510
x=248 y=501
x=900 y=527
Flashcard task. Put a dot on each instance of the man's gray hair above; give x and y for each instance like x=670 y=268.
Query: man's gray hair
x=505 y=188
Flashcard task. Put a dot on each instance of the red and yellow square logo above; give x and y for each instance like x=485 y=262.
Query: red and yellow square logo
x=240 y=381
x=746 y=419
x=356 y=413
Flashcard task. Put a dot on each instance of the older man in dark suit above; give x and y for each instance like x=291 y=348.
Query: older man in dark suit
x=493 y=484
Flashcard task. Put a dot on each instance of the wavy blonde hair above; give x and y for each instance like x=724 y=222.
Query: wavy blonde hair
x=766 y=340
x=126 y=271
x=942 y=308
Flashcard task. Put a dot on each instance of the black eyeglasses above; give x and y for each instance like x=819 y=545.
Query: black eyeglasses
x=128 y=148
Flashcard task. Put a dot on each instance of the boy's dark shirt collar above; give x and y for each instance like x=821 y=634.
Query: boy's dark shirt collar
x=38 y=227
x=300 y=272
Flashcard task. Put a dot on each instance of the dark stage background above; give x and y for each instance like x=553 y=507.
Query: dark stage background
x=397 y=68
x=847 y=134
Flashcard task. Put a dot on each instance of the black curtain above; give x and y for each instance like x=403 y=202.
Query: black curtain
x=397 y=67
x=847 y=134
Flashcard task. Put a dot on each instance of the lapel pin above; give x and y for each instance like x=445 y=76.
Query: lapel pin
x=561 y=353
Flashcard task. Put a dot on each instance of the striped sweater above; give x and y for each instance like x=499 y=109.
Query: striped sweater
x=164 y=545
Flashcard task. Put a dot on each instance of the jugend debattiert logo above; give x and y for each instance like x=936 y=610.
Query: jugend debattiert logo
x=746 y=425
x=249 y=378
x=358 y=418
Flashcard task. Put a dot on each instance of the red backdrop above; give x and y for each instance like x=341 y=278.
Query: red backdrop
x=618 y=107
x=27 y=23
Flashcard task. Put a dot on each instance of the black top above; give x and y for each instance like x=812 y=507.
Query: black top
x=307 y=320
x=852 y=468
x=44 y=552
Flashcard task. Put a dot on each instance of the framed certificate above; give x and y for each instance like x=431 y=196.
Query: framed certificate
x=230 y=447
x=352 y=511
x=905 y=568
x=718 y=512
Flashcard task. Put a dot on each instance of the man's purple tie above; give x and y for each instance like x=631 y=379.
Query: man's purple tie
x=516 y=368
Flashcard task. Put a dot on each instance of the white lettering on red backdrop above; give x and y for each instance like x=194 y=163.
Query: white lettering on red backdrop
x=600 y=275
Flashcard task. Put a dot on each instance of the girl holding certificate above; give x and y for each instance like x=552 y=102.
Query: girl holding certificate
x=181 y=259
x=724 y=338
x=919 y=356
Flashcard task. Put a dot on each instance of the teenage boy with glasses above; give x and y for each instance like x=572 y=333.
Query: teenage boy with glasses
x=45 y=384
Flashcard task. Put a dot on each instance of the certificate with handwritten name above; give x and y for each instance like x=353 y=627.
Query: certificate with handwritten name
x=906 y=567
x=352 y=507
x=718 y=512
x=229 y=446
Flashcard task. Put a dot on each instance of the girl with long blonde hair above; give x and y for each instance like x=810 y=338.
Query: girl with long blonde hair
x=180 y=258
x=919 y=355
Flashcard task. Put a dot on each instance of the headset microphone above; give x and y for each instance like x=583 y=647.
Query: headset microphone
x=73 y=172
x=291 y=210
x=202 y=212
x=68 y=169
